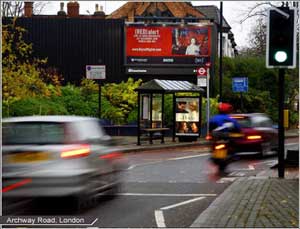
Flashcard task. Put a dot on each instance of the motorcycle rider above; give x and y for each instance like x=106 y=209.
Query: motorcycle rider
x=220 y=126
x=223 y=117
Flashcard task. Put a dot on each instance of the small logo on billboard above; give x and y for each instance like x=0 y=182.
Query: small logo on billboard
x=199 y=60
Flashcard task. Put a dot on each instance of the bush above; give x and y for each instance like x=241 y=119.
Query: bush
x=35 y=106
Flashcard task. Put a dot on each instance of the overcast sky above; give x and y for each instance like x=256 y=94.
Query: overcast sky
x=233 y=12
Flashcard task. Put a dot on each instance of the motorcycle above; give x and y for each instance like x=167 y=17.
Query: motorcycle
x=223 y=146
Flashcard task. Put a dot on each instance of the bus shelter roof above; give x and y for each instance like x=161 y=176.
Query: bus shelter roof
x=168 y=86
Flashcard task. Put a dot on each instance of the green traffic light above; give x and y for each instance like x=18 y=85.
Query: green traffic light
x=280 y=56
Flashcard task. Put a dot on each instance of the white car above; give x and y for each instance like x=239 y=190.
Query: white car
x=58 y=156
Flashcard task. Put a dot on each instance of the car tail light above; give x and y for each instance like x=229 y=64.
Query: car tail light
x=221 y=146
x=111 y=156
x=80 y=151
x=254 y=137
x=16 y=185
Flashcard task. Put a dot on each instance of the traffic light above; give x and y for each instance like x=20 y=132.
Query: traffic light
x=281 y=38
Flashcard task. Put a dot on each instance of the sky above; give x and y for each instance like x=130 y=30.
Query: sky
x=233 y=12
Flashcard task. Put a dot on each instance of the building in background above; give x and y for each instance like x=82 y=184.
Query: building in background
x=188 y=36
x=229 y=45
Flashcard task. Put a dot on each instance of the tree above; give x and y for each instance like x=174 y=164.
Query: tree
x=257 y=36
x=23 y=75
x=16 y=8
x=122 y=98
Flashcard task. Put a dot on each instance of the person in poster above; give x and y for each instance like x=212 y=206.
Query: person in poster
x=182 y=127
x=193 y=111
x=194 y=128
x=193 y=48
x=181 y=107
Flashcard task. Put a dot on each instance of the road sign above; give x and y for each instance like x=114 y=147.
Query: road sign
x=281 y=38
x=240 y=84
x=201 y=71
x=95 y=72
x=201 y=81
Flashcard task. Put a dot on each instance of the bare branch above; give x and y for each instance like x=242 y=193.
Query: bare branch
x=257 y=10
x=39 y=6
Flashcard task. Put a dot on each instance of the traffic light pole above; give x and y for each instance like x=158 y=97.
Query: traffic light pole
x=221 y=52
x=280 y=124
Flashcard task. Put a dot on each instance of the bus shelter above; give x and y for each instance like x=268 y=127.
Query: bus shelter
x=151 y=113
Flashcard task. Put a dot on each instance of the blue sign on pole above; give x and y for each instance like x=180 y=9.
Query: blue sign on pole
x=240 y=84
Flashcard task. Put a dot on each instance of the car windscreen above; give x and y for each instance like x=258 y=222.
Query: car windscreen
x=244 y=122
x=32 y=133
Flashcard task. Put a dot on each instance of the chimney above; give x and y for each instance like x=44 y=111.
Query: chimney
x=73 y=9
x=61 y=12
x=28 y=9
x=99 y=13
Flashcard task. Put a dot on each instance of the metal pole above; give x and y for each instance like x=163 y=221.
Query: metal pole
x=242 y=107
x=174 y=117
x=221 y=51
x=280 y=124
x=207 y=101
x=99 y=100
x=139 y=119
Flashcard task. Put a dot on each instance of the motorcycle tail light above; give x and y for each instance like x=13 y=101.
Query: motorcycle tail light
x=80 y=151
x=254 y=137
x=221 y=146
x=111 y=156
x=208 y=137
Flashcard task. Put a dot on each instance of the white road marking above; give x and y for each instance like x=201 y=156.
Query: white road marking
x=265 y=162
x=226 y=179
x=159 y=216
x=289 y=144
x=187 y=157
x=251 y=167
x=182 y=203
x=131 y=167
x=171 y=159
x=162 y=194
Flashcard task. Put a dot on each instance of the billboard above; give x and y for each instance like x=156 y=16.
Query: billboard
x=187 y=116
x=167 y=45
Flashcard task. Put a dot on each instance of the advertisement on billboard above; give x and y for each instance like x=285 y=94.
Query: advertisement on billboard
x=187 y=116
x=167 y=45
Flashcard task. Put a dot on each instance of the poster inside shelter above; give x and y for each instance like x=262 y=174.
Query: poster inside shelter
x=187 y=116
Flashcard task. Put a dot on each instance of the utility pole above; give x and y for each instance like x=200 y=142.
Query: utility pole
x=221 y=51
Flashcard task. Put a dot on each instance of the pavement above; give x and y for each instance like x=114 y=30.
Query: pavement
x=260 y=201
x=129 y=143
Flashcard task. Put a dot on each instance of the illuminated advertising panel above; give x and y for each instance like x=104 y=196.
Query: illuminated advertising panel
x=187 y=116
x=167 y=45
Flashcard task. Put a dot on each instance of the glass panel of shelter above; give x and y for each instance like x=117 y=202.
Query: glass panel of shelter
x=153 y=103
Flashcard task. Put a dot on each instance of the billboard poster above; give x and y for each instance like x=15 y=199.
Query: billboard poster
x=167 y=45
x=187 y=116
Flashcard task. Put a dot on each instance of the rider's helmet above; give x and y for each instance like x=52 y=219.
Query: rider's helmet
x=225 y=108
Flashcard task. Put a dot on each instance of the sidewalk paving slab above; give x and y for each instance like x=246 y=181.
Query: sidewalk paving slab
x=262 y=201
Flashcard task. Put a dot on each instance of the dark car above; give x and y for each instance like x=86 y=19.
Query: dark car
x=58 y=156
x=258 y=134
